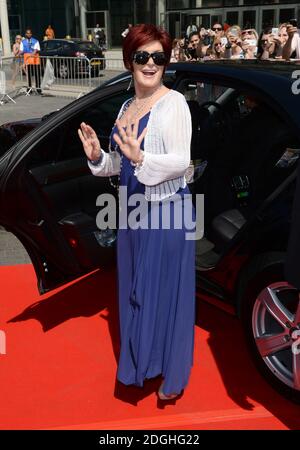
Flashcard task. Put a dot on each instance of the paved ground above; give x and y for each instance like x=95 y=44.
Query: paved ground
x=11 y=250
x=31 y=106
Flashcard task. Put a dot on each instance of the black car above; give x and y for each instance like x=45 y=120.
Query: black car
x=245 y=148
x=73 y=57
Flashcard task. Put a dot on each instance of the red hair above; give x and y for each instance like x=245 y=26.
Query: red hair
x=143 y=34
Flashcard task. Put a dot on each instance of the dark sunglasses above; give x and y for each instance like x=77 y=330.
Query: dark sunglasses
x=217 y=29
x=142 y=57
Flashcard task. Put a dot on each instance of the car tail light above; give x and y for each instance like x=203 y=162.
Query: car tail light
x=79 y=54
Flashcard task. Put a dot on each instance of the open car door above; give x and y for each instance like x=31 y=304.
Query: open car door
x=48 y=194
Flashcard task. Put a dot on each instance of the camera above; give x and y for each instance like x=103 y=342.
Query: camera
x=207 y=40
x=294 y=22
x=192 y=52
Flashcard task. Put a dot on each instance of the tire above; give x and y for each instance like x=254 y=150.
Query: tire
x=267 y=292
x=63 y=71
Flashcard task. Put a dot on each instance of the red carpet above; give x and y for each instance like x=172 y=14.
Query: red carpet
x=60 y=365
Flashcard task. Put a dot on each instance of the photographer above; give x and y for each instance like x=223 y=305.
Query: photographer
x=249 y=43
x=292 y=47
x=233 y=48
x=280 y=40
x=266 y=45
x=205 y=42
x=217 y=50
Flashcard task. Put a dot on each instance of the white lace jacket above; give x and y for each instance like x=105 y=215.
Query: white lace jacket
x=166 y=149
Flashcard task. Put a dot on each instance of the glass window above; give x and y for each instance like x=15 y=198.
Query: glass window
x=92 y=18
x=231 y=2
x=64 y=144
x=286 y=14
x=97 y=5
x=54 y=45
x=249 y=19
x=232 y=17
x=178 y=4
x=288 y=2
x=87 y=46
x=202 y=92
x=259 y=2
x=211 y=3
x=268 y=18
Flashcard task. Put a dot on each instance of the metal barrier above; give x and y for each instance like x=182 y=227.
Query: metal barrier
x=57 y=75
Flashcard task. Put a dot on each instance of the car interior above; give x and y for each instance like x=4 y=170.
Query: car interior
x=242 y=150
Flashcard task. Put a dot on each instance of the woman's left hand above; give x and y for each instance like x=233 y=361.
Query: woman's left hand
x=128 y=141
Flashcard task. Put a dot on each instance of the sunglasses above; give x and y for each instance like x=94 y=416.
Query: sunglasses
x=217 y=29
x=142 y=57
x=247 y=32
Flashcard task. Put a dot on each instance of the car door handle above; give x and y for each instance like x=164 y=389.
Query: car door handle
x=37 y=223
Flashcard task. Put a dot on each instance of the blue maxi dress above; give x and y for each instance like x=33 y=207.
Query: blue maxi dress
x=156 y=290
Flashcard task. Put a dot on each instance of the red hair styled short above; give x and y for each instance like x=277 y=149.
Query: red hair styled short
x=143 y=34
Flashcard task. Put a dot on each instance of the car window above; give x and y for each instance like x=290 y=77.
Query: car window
x=202 y=91
x=53 y=45
x=67 y=46
x=87 y=46
x=64 y=144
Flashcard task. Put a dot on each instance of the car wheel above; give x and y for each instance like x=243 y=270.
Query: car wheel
x=270 y=313
x=63 y=71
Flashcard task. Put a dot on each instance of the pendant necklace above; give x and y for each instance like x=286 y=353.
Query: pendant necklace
x=139 y=109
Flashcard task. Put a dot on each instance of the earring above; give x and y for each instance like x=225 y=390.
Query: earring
x=130 y=83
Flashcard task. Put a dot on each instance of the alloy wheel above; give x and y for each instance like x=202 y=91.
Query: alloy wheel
x=276 y=330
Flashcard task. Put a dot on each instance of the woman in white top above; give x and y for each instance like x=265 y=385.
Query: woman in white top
x=17 y=61
x=150 y=151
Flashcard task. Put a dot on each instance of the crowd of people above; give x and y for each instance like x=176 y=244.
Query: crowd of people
x=234 y=42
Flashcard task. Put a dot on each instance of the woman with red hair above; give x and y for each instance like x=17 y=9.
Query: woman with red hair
x=150 y=151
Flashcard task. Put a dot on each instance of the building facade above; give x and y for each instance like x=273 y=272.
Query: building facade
x=257 y=14
x=77 y=18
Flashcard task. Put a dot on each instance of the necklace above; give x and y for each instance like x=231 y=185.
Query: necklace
x=146 y=101
x=138 y=110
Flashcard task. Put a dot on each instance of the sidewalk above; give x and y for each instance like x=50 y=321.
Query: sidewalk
x=33 y=106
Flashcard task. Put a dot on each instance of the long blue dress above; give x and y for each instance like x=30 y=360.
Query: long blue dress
x=156 y=288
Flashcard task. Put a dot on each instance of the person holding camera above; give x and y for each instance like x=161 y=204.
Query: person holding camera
x=292 y=47
x=194 y=41
x=205 y=43
x=266 y=45
x=249 y=38
x=280 y=38
x=233 y=48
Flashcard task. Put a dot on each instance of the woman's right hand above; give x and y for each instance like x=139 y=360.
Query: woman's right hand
x=90 y=141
